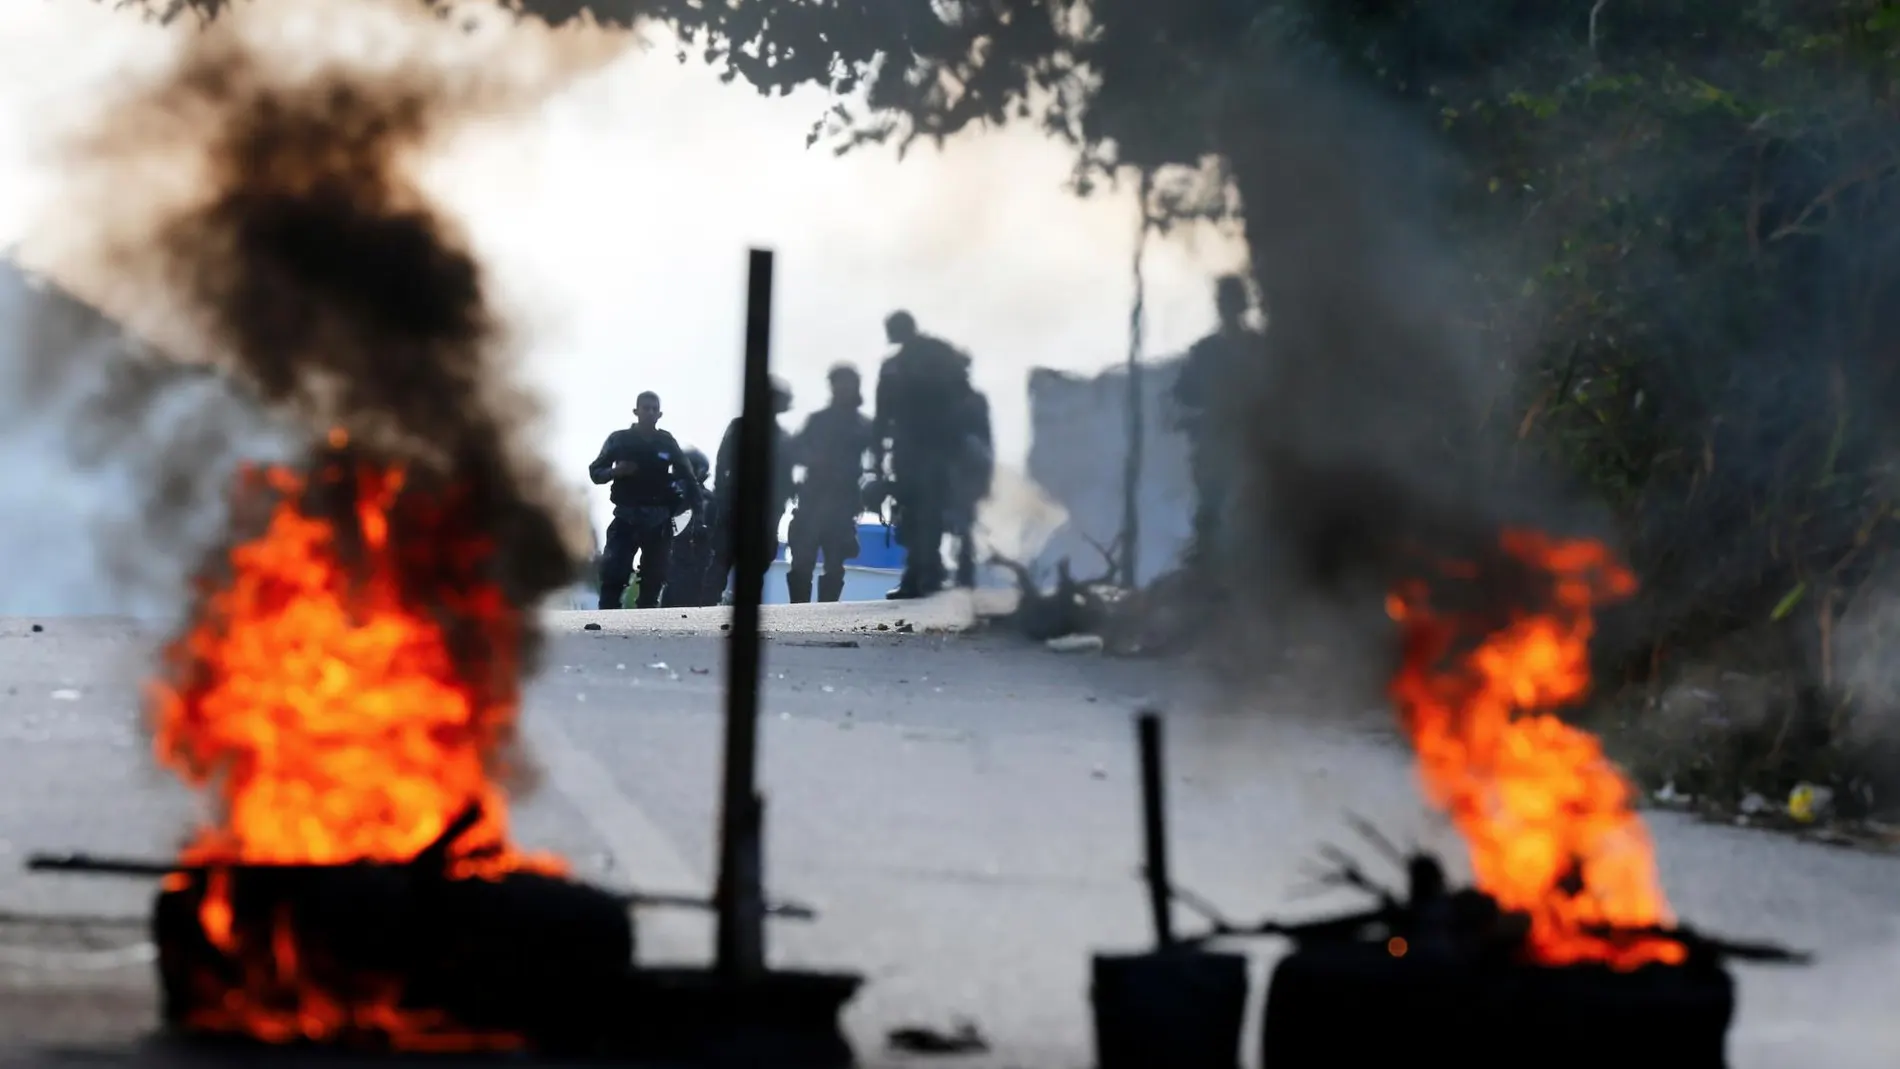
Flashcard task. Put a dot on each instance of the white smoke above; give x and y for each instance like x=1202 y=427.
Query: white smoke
x=1018 y=518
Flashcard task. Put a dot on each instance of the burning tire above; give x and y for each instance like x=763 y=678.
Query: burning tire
x=1361 y=1004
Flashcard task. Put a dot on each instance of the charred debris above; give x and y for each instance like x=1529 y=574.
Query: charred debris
x=1153 y=620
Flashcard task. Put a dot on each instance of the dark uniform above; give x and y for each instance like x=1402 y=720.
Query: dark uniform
x=726 y=483
x=831 y=448
x=686 y=585
x=974 y=470
x=923 y=395
x=650 y=491
x=1207 y=374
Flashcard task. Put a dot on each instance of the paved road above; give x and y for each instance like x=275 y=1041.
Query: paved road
x=960 y=807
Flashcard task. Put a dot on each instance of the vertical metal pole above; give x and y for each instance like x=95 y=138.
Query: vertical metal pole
x=1137 y=418
x=1154 y=829
x=740 y=893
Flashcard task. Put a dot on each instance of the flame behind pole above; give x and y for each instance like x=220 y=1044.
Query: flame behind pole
x=741 y=895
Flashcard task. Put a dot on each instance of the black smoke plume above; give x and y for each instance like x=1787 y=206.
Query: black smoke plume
x=313 y=269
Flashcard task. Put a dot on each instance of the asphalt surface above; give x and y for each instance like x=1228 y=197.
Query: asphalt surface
x=960 y=807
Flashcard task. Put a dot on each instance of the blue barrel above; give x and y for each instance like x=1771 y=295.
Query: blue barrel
x=877 y=549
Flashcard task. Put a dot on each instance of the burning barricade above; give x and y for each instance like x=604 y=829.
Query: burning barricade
x=345 y=689
x=1564 y=951
x=358 y=884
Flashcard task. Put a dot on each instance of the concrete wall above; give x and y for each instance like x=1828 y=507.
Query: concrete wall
x=1078 y=443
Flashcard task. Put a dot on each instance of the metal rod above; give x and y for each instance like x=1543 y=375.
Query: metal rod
x=1130 y=548
x=104 y=866
x=436 y=855
x=740 y=893
x=86 y=864
x=1154 y=829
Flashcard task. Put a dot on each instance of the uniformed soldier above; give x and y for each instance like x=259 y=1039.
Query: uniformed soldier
x=832 y=448
x=686 y=585
x=651 y=484
x=923 y=393
x=1206 y=374
x=726 y=484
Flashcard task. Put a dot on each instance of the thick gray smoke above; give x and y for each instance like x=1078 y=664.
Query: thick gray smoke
x=253 y=208
x=96 y=428
x=1364 y=456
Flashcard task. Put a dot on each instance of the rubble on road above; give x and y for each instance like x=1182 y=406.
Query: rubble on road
x=1098 y=613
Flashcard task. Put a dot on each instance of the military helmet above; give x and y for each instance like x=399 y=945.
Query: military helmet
x=696 y=460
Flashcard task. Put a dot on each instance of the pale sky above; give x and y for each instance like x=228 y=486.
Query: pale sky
x=615 y=220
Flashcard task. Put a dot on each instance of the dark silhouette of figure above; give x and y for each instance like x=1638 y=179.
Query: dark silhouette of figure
x=832 y=449
x=687 y=586
x=974 y=469
x=1207 y=373
x=923 y=405
x=726 y=484
x=651 y=484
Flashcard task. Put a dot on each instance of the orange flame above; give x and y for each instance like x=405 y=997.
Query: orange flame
x=1547 y=817
x=327 y=712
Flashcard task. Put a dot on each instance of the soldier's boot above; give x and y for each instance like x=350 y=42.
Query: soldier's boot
x=830 y=585
x=798 y=585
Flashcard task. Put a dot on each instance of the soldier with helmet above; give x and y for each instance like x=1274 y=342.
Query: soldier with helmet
x=726 y=484
x=832 y=448
x=921 y=422
x=687 y=584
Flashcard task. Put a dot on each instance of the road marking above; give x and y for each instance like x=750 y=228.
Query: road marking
x=638 y=847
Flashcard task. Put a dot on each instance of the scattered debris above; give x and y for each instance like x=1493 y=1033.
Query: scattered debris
x=725 y=627
x=827 y=644
x=1668 y=795
x=1075 y=644
x=701 y=671
x=590 y=627
x=963 y=1038
x=38 y=628
x=658 y=666
x=1072 y=608
x=884 y=627
x=905 y=629
x=1155 y=619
